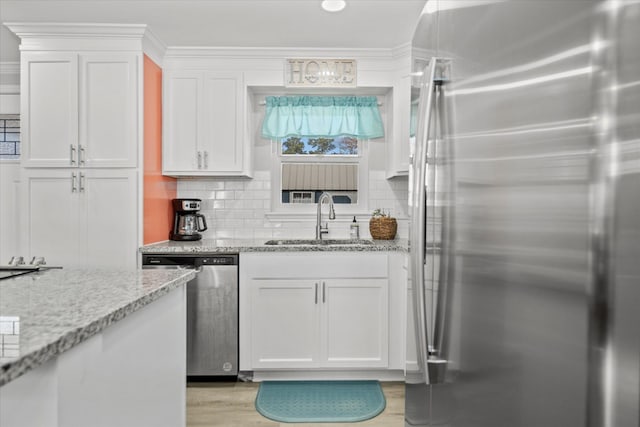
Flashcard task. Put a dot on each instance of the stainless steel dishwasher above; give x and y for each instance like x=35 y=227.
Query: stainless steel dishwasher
x=212 y=312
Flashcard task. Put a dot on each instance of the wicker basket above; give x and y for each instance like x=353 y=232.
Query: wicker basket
x=383 y=228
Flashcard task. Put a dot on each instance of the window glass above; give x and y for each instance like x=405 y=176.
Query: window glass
x=9 y=136
x=305 y=182
x=341 y=146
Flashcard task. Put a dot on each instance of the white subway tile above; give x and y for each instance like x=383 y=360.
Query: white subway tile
x=234 y=204
x=224 y=234
x=214 y=185
x=234 y=185
x=243 y=233
x=254 y=185
x=263 y=233
x=253 y=223
x=224 y=195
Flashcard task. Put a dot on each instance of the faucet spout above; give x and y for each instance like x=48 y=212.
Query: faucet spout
x=320 y=230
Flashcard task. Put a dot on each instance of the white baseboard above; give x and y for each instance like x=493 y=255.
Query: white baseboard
x=381 y=375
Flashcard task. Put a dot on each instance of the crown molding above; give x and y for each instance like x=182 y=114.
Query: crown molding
x=402 y=50
x=276 y=52
x=76 y=30
x=54 y=35
x=153 y=47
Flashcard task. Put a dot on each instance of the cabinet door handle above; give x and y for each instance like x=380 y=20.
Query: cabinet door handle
x=81 y=182
x=81 y=154
x=74 y=188
x=199 y=159
x=324 y=292
x=72 y=154
x=206 y=160
x=316 y=292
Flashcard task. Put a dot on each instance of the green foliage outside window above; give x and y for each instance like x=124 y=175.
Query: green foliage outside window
x=343 y=145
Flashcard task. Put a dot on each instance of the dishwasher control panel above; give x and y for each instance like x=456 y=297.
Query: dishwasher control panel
x=189 y=260
x=218 y=260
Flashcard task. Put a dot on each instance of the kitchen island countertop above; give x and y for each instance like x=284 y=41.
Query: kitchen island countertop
x=45 y=313
x=258 y=245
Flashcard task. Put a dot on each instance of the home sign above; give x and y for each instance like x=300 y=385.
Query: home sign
x=320 y=73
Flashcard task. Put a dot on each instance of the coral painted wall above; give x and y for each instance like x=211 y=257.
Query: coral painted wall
x=158 y=189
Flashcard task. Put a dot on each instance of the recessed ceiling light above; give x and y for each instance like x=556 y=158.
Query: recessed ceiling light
x=333 y=5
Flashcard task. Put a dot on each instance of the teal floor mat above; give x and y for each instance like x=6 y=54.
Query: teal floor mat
x=320 y=401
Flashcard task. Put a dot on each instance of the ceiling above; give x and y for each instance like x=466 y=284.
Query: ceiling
x=230 y=23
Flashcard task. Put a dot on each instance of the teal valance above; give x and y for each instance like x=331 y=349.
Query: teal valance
x=317 y=116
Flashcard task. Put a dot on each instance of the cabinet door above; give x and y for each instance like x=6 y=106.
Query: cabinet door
x=109 y=217
x=51 y=216
x=108 y=110
x=49 y=108
x=181 y=121
x=285 y=323
x=222 y=146
x=355 y=323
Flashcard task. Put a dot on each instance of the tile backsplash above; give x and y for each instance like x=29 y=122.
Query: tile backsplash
x=238 y=208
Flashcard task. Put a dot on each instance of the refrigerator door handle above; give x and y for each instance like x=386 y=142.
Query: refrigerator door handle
x=418 y=216
x=444 y=175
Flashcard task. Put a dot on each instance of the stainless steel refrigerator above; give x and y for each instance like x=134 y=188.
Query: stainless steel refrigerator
x=525 y=215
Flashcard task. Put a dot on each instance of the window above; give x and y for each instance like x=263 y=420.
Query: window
x=304 y=182
x=305 y=167
x=9 y=136
x=320 y=146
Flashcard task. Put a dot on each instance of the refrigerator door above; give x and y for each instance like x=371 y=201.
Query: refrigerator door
x=519 y=315
x=623 y=337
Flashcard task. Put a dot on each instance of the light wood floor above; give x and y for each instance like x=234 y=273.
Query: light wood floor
x=232 y=404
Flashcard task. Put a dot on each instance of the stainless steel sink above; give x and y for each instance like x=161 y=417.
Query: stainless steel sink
x=292 y=242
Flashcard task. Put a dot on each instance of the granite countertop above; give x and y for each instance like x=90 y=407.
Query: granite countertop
x=258 y=245
x=46 y=313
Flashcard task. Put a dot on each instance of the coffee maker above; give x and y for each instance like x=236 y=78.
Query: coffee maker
x=187 y=222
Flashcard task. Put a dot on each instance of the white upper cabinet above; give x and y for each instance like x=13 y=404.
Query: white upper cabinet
x=204 y=124
x=398 y=149
x=181 y=105
x=108 y=110
x=49 y=104
x=79 y=110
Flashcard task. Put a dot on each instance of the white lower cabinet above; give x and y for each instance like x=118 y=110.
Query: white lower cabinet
x=314 y=310
x=81 y=217
x=285 y=323
x=354 y=329
x=305 y=323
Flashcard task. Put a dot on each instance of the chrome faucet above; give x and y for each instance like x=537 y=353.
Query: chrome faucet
x=320 y=230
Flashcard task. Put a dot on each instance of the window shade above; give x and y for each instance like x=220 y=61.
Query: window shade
x=316 y=116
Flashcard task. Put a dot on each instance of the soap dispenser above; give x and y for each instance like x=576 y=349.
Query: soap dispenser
x=354 y=229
